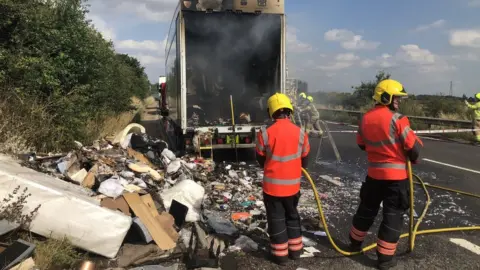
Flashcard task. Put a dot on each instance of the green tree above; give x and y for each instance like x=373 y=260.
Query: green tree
x=57 y=70
x=362 y=94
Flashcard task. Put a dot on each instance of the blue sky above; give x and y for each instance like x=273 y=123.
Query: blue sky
x=334 y=44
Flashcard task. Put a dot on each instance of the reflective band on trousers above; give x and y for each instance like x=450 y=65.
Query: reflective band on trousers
x=392 y=139
x=270 y=155
x=283 y=182
x=387 y=165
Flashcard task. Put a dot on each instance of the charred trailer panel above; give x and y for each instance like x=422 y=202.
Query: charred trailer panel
x=245 y=6
x=231 y=54
x=222 y=48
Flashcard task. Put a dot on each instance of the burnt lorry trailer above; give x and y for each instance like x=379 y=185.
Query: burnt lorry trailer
x=223 y=60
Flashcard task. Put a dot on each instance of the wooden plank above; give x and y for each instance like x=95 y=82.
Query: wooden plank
x=144 y=213
x=148 y=201
x=140 y=157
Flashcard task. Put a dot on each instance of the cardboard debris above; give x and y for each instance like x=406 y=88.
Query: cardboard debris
x=148 y=201
x=146 y=214
x=27 y=264
x=116 y=204
x=140 y=157
x=143 y=168
x=89 y=180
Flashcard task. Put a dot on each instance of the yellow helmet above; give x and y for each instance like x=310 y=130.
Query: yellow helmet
x=477 y=96
x=278 y=101
x=386 y=89
x=310 y=98
x=303 y=95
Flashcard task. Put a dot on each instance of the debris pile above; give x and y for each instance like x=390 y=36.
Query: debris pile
x=173 y=204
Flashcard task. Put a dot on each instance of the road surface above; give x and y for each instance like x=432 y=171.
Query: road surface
x=448 y=164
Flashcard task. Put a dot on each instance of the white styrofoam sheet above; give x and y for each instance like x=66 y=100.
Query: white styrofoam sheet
x=65 y=210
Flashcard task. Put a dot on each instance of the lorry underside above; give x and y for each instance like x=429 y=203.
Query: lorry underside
x=229 y=54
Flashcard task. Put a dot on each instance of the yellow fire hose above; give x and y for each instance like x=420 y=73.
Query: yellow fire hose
x=412 y=228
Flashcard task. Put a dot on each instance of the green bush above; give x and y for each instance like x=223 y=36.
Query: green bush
x=57 y=74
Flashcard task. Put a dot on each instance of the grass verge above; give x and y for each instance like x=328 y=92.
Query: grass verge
x=26 y=127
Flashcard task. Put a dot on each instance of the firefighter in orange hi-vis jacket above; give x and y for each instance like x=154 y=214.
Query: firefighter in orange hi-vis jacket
x=389 y=141
x=282 y=150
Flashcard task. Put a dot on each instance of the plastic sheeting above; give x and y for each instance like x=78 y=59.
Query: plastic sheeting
x=186 y=192
x=66 y=210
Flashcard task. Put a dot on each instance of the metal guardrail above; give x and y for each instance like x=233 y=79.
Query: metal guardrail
x=426 y=120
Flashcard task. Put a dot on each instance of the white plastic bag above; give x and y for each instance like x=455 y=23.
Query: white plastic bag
x=188 y=193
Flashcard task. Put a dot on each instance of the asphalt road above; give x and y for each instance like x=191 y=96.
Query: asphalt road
x=458 y=169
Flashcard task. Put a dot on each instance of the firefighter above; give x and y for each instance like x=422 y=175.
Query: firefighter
x=389 y=141
x=302 y=97
x=476 y=119
x=314 y=116
x=301 y=101
x=282 y=150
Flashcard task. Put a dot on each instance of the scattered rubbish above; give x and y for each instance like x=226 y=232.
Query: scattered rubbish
x=15 y=253
x=332 y=180
x=244 y=243
x=157 y=225
x=179 y=212
x=318 y=233
x=187 y=192
x=221 y=226
x=134 y=183
x=27 y=264
x=308 y=242
x=156 y=267
x=66 y=210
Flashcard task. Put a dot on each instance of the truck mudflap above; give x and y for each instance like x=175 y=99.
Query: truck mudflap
x=222 y=137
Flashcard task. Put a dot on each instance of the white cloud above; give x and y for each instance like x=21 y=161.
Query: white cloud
x=433 y=25
x=474 y=3
x=469 y=56
x=465 y=38
x=349 y=40
x=293 y=44
x=145 y=45
x=340 y=61
x=150 y=10
x=346 y=57
x=335 y=66
x=410 y=56
x=148 y=59
x=98 y=23
x=412 y=53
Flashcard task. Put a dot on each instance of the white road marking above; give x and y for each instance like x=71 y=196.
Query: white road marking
x=466 y=244
x=450 y=165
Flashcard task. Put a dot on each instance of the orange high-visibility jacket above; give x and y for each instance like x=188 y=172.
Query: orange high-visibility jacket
x=284 y=145
x=387 y=137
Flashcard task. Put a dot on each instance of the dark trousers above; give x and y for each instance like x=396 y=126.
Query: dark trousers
x=395 y=198
x=284 y=226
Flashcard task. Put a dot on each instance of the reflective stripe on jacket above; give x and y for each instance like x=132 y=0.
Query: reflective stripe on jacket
x=284 y=145
x=387 y=137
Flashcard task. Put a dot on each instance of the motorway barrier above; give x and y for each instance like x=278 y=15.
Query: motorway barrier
x=426 y=120
x=436 y=131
